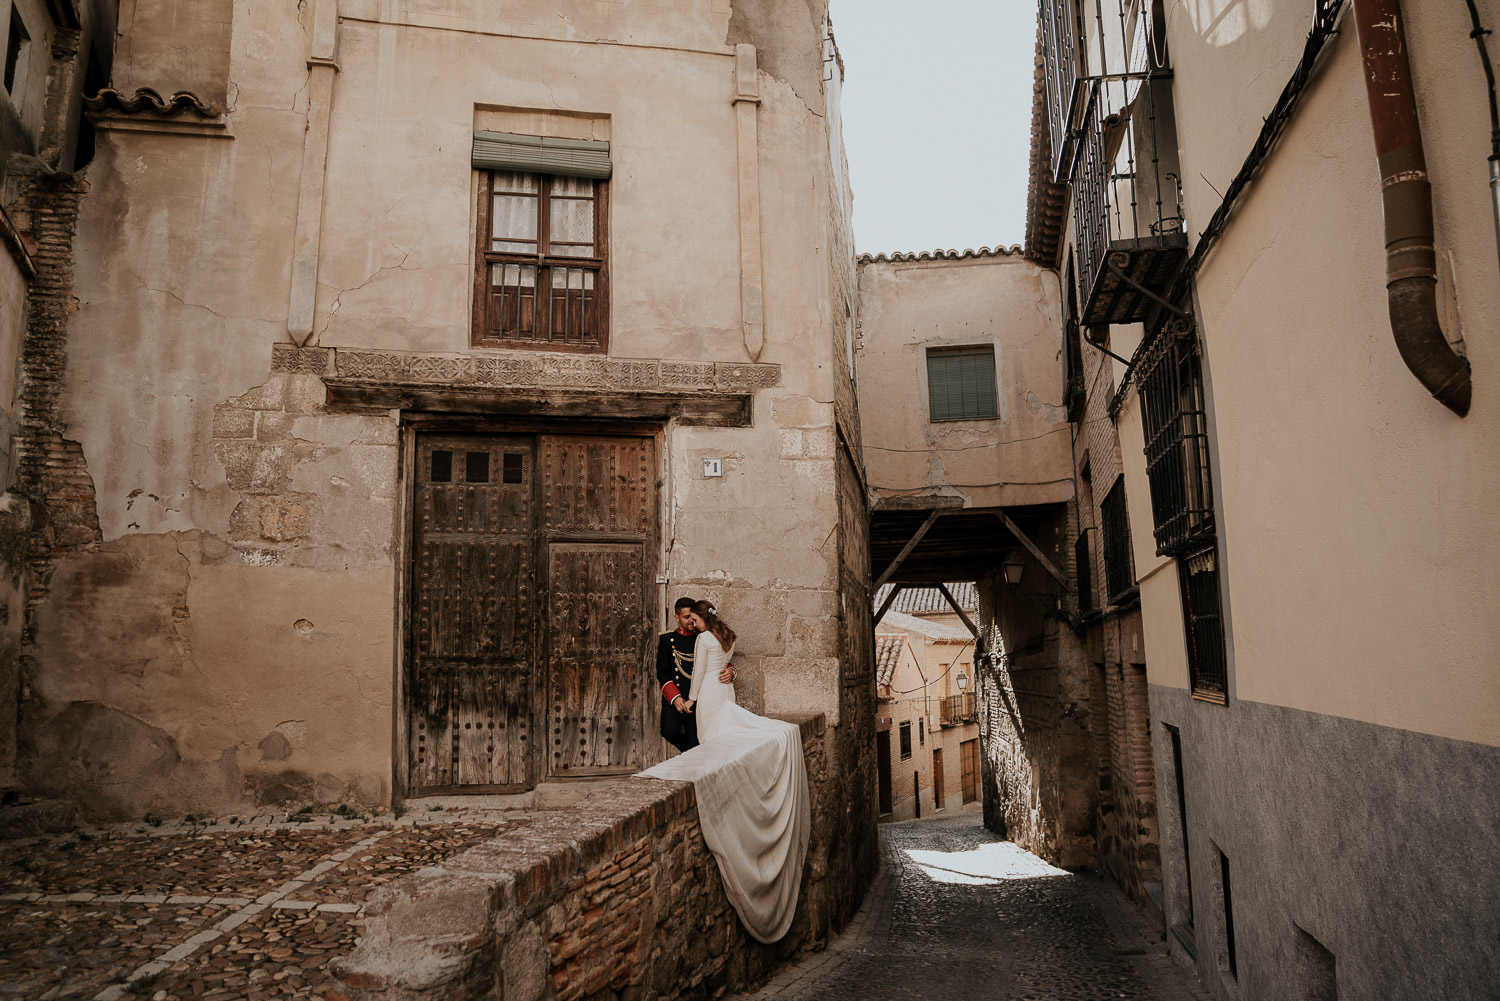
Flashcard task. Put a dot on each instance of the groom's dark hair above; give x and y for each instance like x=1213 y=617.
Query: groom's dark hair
x=683 y=603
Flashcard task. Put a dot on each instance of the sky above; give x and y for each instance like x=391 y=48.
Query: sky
x=937 y=120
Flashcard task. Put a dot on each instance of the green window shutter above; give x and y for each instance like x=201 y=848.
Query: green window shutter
x=961 y=384
x=542 y=155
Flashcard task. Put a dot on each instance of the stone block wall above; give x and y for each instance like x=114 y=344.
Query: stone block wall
x=618 y=897
x=1039 y=773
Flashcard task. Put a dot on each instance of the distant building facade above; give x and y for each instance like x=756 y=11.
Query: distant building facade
x=927 y=720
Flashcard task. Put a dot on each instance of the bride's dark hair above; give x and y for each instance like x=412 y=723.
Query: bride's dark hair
x=712 y=623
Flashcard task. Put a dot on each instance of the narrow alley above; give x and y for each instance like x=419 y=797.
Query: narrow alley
x=957 y=912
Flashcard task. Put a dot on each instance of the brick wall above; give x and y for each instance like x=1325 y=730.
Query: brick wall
x=617 y=897
x=1039 y=775
x=51 y=471
x=1125 y=828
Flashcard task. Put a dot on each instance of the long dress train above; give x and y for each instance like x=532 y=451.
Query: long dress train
x=751 y=784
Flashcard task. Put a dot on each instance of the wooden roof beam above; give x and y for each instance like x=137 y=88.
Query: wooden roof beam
x=906 y=550
x=1034 y=550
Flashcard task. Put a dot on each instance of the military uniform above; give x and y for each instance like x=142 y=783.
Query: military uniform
x=674 y=673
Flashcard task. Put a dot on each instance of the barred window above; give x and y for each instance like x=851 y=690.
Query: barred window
x=1119 y=567
x=906 y=740
x=1176 y=427
x=1199 y=576
x=1085 y=572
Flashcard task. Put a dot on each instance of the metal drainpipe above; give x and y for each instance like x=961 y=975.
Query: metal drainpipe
x=1495 y=195
x=1406 y=194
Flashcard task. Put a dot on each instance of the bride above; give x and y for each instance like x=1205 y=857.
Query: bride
x=751 y=784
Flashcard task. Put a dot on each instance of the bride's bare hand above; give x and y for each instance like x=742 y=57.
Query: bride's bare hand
x=687 y=706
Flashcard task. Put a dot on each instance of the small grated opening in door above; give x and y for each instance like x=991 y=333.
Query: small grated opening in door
x=442 y=466
x=477 y=467
x=515 y=468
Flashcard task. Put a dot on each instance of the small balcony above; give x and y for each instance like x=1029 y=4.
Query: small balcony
x=956 y=709
x=1130 y=242
x=1114 y=142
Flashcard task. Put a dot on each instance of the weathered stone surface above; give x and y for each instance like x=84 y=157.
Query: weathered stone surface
x=275 y=747
x=328 y=788
x=616 y=897
x=124 y=766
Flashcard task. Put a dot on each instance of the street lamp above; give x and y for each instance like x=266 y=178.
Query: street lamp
x=1013 y=568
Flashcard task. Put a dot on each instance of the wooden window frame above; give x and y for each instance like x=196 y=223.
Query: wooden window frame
x=483 y=330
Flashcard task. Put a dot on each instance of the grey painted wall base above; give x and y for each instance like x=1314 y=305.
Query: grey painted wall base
x=1358 y=852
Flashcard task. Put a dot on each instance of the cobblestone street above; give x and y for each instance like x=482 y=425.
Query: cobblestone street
x=956 y=913
x=256 y=908
x=243 y=908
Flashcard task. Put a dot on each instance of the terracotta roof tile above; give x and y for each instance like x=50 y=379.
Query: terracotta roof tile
x=887 y=654
x=900 y=256
x=913 y=625
x=1046 y=201
x=929 y=600
x=147 y=101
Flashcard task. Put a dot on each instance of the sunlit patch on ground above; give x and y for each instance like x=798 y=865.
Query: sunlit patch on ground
x=982 y=866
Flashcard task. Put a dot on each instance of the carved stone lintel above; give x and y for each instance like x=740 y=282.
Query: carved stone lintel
x=537 y=371
x=300 y=361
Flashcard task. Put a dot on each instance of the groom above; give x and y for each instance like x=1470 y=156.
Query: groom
x=674 y=672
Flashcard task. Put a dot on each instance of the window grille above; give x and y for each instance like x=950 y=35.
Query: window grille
x=906 y=740
x=961 y=383
x=1176 y=428
x=1119 y=568
x=922 y=732
x=1199 y=575
x=1059 y=29
x=1085 y=572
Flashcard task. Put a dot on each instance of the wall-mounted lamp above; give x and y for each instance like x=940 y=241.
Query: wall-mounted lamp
x=1013 y=568
x=963 y=681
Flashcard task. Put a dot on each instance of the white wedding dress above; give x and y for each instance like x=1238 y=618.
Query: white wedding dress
x=751 y=784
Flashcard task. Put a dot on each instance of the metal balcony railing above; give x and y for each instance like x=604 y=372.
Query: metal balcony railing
x=1128 y=228
x=1114 y=143
x=956 y=709
x=1059 y=23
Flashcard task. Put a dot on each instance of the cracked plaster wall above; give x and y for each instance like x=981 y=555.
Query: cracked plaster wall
x=174 y=45
x=247 y=572
x=1006 y=302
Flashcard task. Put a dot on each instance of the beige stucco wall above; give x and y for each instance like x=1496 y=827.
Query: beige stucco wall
x=1004 y=301
x=1358 y=555
x=250 y=539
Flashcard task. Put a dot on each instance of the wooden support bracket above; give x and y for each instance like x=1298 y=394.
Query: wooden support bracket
x=1034 y=550
x=954 y=602
x=906 y=550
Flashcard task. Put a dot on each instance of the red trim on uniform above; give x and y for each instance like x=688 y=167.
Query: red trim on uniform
x=670 y=691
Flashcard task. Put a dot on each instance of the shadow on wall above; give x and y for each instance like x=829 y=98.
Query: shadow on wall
x=117 y=767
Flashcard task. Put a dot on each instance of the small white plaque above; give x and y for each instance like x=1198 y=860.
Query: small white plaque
x=713 y=467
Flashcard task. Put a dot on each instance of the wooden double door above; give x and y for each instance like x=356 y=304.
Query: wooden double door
x=529 y=623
